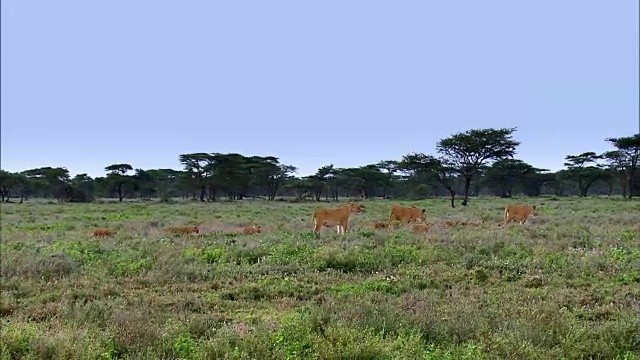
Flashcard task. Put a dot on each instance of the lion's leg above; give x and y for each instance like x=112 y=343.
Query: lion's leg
x=345 y=224
x=317 y=225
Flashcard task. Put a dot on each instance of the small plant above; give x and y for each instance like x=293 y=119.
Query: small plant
x=184 y=346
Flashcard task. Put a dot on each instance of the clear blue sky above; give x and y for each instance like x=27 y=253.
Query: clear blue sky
x=89 y=83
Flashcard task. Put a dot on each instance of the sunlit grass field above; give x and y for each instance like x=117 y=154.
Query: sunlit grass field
x=564 y=286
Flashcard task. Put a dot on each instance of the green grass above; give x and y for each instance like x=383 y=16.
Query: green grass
x=566 y=286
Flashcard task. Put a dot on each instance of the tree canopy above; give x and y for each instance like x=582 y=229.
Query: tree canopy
x=469 y=152
x=474 y=162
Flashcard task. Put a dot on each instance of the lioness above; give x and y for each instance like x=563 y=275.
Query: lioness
x=406 y=215
x=338 y=217
x=250 y=230
x=452 y=223
x=183 y=230
x=473 y=222
x=380 y=225
x=519 y=212
x=103 y=232
x=421 y=227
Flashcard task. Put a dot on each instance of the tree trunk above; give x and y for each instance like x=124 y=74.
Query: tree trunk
x=452 y=193
x=467 y=185
x=505 y=193
x=584 y=189
x=212 y=193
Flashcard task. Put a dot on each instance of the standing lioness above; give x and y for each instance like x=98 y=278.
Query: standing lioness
x=338 y=217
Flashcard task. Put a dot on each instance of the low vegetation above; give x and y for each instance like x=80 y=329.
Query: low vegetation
x=564 y=285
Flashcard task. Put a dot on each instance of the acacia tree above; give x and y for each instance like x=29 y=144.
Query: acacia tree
x=427 y=166
x=194 y=165
x=583 y=170
x=364 y=180
x=51 y=180
x=84 y=187
x=311 y=184
x=163 y=180
x=118 y=179
x=270 y=174
x=8 y=181
x=144 y=183
x=390 y=167
x=232 y=174
x=505 y=174
x=617 y=165
x=327 y=176
x=347 y=180
x=534 y=180
x=628 y=157
x=470 y=151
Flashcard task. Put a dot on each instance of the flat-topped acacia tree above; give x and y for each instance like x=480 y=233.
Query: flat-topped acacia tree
x=118 y=179
x=471 y=151
x=584 y=170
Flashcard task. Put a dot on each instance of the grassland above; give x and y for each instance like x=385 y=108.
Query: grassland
x=565 y=286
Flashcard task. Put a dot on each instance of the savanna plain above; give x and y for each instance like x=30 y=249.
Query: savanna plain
x=565 y=285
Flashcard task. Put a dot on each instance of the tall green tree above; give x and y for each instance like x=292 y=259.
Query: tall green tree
x=50 y=181
x=269 y=174
x=389 y=168
x=627 y=157
x=534 y=180
x=427 y=167
x=470 y=151
x=8 y=182
x=616 y=163
x=505 y=174
x=327 y=176
x=118 y=180
x=583 y=169
x=312 y=184
x=363 y=181
x=144 y=183
x=199 y=168
x=164 y=180
x=233 y=174
x=84 y=187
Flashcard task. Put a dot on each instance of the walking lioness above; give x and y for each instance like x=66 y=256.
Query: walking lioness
x=406 y=215
x=519 y=212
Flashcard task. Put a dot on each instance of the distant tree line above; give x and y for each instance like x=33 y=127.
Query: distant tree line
x=467 y=164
